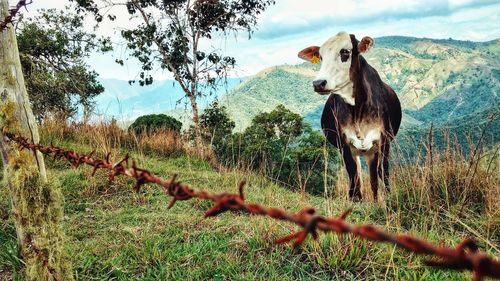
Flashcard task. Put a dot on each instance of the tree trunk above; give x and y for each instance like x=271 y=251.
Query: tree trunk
x=36 y=206
x=197 y=130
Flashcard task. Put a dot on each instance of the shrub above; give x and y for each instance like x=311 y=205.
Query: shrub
x=155 y=122
x=310 y=161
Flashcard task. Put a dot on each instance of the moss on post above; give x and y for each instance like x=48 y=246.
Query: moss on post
x=37 y=207
x=38 y=214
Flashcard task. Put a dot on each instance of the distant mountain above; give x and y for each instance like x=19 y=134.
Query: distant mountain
x=127 y=102
x=439 y=80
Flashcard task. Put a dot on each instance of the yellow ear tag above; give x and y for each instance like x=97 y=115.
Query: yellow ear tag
x=315 y=60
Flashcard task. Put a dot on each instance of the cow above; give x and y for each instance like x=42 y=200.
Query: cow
x=362 y=114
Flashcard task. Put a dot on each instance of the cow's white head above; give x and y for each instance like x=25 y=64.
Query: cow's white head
x=335 y=56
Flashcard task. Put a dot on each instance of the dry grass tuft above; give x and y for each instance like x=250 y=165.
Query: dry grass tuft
x=163 y=143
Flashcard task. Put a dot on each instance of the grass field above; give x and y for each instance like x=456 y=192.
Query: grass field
x=114 y=234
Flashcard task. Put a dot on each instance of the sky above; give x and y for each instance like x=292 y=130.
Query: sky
x=291 y=25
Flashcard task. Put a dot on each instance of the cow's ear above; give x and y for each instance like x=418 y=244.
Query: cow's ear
x=365 y=44
x=310 y=54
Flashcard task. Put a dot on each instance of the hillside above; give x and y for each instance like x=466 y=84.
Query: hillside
x=460 y=133
x=437 y=80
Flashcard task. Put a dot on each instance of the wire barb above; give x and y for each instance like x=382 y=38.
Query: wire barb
x=465 y=256
x=13 y=12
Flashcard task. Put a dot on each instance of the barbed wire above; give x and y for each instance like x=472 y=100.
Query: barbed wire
x=465 y=256
x=13 y=12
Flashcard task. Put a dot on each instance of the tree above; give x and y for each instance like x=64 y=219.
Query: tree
x=268 y=138
x=279 y=123
x=171 y=34
x=53 y=47
x=36 y=205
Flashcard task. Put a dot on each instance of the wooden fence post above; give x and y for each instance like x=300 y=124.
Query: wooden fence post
x=37 y=207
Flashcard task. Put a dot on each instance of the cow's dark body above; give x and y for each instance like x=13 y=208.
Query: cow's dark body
x=374 y=100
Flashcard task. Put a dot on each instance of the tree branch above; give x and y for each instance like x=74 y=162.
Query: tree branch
x=163 y=52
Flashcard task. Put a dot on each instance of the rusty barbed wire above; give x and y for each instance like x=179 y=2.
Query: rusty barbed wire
x=13 y=12
x=465 y=256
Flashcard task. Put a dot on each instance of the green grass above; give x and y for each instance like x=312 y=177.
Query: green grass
x=114 y=234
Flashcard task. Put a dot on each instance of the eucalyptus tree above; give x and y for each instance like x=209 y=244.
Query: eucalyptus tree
x=175 y=36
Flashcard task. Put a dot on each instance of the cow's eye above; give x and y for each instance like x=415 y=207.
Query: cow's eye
x=344 y=54
x=345 y=51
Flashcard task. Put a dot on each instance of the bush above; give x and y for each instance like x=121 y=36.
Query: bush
x=309 y=161
x=266 y=138
x=155 y=122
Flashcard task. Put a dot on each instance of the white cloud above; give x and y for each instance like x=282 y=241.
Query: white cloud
x=476 y=24
x=295 y=16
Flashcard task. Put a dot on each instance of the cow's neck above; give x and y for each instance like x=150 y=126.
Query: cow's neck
x=359 y=91
x=356 y=75
x=346 y=93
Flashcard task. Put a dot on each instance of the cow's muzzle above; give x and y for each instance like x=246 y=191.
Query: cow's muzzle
x=320 y=86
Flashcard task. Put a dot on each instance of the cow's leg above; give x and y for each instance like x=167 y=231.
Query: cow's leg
x=374 y=167
x=384 y=168
x=352 y=168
